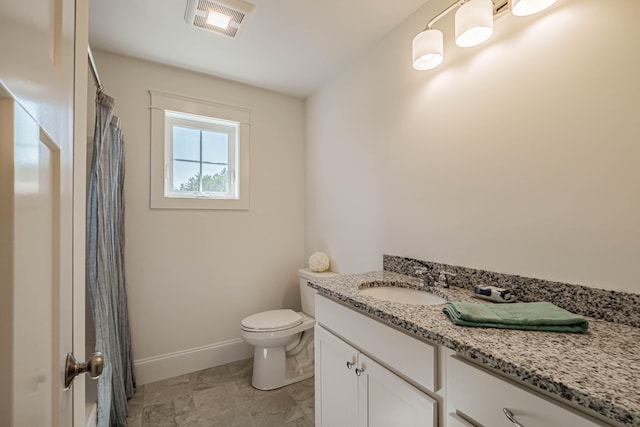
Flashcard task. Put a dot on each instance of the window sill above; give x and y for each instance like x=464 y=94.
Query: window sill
x=199 y=203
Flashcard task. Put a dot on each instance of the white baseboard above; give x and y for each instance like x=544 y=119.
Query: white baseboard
x=170 y=365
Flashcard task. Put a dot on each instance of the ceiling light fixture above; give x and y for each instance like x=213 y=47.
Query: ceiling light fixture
x=224 y=17
x=218 y=19
x=473 y=26
x=474 y=23
x=427 y=50
x=529 y=7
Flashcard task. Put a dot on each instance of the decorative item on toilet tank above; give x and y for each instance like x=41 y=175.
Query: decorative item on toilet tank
x=319 y=262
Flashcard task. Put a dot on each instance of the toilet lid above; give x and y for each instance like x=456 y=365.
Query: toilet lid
x=272 y=320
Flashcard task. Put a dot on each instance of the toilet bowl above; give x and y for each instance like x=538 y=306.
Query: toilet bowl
x=283 y=339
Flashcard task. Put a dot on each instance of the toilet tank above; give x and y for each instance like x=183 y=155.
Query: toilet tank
x=308 y=294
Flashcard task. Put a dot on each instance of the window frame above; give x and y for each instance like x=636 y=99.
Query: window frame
x=202 y=124
x=163 y=105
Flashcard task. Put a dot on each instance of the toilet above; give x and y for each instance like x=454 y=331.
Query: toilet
x=283 y=339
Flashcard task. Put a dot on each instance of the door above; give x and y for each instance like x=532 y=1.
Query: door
x=40 y=314
x=387 y=400
x=37 y=311
x=336 y=382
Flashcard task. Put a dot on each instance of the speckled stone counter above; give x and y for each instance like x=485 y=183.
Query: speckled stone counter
x=599 y=370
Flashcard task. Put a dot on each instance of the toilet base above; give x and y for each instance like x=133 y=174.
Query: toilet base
x=270 y=369
x=275 y=367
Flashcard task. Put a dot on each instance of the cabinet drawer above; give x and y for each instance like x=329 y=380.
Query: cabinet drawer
x=454 y=420
x=481 y=397
x=408 y=356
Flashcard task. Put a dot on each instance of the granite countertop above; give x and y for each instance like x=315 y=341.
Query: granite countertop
x=599 y=370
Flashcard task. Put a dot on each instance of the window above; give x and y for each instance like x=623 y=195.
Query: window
x=199 y=154
x=201 y=157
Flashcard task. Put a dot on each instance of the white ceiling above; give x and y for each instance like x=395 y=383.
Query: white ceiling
x=289 y=46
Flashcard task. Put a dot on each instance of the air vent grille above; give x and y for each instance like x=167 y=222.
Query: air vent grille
x=197 y=11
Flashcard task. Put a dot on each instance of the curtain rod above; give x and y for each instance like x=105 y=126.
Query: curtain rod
x=94 y=70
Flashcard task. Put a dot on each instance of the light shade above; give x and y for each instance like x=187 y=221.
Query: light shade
x=529 y=7
x=427 y=50
x=474 y=22
x=218 y=19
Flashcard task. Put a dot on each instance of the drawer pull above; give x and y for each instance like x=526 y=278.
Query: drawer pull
x=350 y=365
x=511 y=418
x=359 y=371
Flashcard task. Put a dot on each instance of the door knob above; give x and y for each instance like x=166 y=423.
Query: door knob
x=73 y=368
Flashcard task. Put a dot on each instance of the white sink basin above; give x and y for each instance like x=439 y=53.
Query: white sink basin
x=403 y=295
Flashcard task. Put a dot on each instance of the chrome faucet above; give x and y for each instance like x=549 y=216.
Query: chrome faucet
x=442 y=279
x=420 y=272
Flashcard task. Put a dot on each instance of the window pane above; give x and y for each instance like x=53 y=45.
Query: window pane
x=215 y=178
x=186 y=176
x=186 y=143
x=214 y=147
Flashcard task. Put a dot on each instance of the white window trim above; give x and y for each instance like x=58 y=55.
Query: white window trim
x=162 y=102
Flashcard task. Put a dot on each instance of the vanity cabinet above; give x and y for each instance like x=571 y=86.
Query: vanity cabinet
x=368 y=374
x=476 y=397
x=353 y=388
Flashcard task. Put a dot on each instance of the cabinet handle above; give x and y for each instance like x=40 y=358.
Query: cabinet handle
x=359 y=371
x=350 y=365
x=511 y=418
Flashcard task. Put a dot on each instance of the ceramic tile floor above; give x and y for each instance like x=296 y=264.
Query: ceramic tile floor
x=221 y=396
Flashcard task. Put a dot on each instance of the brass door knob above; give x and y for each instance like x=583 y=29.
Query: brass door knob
x=73 y=368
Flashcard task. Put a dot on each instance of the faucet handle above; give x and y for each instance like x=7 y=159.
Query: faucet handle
x=442 y=278
x=419 y=272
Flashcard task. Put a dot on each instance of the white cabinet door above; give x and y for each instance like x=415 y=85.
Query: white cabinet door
x=391 y=401
x=336 y=382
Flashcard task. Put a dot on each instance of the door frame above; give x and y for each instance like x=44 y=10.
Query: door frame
x=80 y=133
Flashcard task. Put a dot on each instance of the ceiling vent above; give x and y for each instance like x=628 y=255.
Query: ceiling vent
x=223 y=17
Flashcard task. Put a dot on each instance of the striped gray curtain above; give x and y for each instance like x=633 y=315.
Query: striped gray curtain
x=105 y=266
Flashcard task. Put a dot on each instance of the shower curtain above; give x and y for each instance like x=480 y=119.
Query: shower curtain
x=105 y=266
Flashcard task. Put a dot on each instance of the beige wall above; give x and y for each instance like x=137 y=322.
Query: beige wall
x=193 y=275
x=518 y=156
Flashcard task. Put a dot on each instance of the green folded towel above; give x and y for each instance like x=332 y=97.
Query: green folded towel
x=531 y=316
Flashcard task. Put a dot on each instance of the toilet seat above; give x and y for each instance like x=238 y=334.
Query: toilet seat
x=271 y=321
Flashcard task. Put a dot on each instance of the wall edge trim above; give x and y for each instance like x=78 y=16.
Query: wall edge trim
x=163 y=366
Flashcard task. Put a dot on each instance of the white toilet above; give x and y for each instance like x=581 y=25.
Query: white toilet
x=283 y=339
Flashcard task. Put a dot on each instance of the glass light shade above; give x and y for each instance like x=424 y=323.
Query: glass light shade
x=218 y=19
x=428 y=48
x=474 y=22
x=529 y=7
